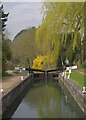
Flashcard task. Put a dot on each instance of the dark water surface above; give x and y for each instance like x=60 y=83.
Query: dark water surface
x=46 y=101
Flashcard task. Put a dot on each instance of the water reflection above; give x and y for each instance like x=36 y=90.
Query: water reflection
x=46 y=101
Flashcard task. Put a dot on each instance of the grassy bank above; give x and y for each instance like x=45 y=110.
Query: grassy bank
x=79 y=78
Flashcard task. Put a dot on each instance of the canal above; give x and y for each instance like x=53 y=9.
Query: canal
x=46 y=101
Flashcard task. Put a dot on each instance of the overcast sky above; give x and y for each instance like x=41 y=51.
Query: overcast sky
x=22 y=15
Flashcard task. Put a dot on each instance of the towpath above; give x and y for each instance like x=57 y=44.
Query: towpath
x=9 y=83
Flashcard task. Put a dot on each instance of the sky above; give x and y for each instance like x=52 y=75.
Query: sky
x=22 y=15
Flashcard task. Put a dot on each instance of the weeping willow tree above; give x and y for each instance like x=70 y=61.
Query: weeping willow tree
x=61 y=32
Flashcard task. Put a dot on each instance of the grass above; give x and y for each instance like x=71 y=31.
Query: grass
x=79 y=78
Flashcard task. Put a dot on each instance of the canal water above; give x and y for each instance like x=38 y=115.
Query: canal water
x=46 y=101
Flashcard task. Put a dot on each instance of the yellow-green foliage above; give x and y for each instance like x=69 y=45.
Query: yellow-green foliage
x=43 y=62
x=59 y=19
x=40 y=62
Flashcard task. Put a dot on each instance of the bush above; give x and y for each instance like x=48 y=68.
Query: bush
x=40 y=62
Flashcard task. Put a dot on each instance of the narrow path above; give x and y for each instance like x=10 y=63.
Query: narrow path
x=9 y=83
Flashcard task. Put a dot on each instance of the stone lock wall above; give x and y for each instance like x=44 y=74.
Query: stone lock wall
x=9 y=97
x=75 y=91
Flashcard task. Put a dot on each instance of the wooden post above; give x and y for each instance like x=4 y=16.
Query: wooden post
x=65 y=74
x=1 y=90
x=84 y=90
x=28 y=74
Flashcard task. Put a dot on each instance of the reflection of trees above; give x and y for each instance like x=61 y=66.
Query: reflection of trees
x=45 y=99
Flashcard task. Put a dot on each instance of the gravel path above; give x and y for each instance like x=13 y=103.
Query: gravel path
x=9 y=83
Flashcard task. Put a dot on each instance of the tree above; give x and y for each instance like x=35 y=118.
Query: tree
x=3 y=18
x=6 y=52
x=24 y=48
x=61 y=31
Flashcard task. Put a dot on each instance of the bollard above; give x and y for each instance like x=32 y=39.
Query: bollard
x=68 y=76
x=22 y=78
x=1 y=90
x=83 y=90
x=28 y=74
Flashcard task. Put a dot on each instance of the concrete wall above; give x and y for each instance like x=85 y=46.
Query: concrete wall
x=76 y=93
x=12 y=95
x=9 y=98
